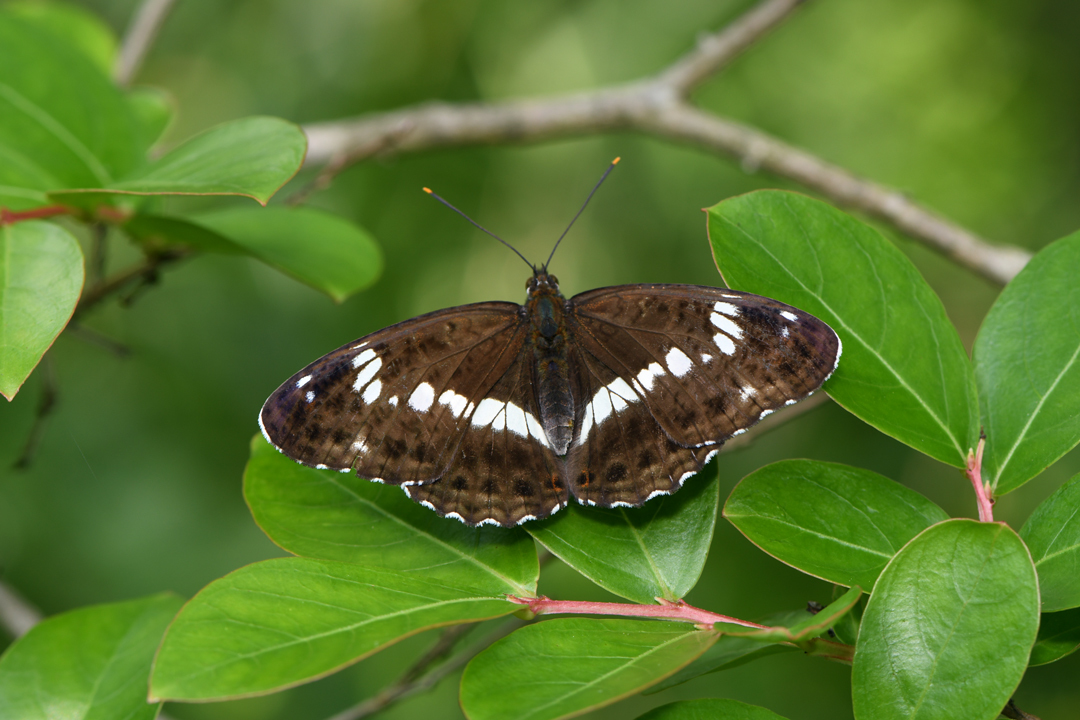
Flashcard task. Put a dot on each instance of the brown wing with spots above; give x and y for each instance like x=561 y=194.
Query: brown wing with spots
x=393 y=405
x=621 y=455
x=503 y=471
x=707 y=363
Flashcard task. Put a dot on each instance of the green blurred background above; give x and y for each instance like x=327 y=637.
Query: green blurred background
x=970 y=106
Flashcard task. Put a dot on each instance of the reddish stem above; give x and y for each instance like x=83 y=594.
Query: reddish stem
x=984 y=494
x=678 y=611
x=10 y=217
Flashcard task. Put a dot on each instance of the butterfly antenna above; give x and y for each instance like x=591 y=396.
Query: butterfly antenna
x=584 y=205
x=479 y=226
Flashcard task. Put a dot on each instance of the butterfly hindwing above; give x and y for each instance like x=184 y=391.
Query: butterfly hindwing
x=390 y=405
x=622 y=456
x=503 y=471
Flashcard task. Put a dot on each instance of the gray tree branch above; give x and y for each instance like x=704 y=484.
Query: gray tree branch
x=656 y=106
x=139 y=37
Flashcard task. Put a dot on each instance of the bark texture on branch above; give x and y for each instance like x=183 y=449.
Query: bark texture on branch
x=657 y=106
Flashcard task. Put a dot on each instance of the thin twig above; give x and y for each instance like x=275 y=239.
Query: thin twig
x=677 y=611
x=411 y=683
x=1014 y=713
x=141 y=271
x=716 y=51
x=657 y=106
x=984 y=494
x=45 y=408
x=17 y=615
x=140 y=36
x=92 y=336
x=98 y=260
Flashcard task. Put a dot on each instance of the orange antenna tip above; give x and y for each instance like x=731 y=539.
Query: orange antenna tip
x=427 y=190
x=616 y=161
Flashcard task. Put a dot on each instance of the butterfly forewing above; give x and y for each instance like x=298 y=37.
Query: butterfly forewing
x=394 y=405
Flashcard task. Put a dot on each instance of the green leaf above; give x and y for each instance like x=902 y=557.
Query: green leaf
x=1027 y=363
x=731 y=651
x=657 y=550
x=1052 y=534
x=252 y=157
x=836 y=522
x=903 y=368
x=92 y=663
x=709 y=709
x=41 y=276
x=157 y=232
x=153 y=110
x=564 y=667
x=338 y=516
x=73 y=26
x=62 y=121
x=283 y=622
x=805 y=634
x=1059 y=636
x=319 y=249
x=949 y=628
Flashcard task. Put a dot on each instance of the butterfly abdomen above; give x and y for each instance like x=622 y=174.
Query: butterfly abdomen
x=549 y=342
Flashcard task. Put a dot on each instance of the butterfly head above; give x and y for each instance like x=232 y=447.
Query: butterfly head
x=542 y=283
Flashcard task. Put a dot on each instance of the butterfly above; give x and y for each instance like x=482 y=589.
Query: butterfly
x=497 y=413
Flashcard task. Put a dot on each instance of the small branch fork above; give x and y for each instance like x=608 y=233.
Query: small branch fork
x=984 y=494
x=657 y=106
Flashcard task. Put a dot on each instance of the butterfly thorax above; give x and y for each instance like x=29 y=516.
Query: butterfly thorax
x=546 y=311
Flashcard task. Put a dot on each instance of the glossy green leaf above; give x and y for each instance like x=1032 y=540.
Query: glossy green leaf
x=157 y=232
x=1027 y=362
x=949 y=628
x=62 y=121
x=153 y=110
x=91 y=664
x=321 y=250
x=731 y=651
x=709 y=709
x=846 y=629
x=805 y=632
x=338 y=516
x=1059 y=636
x=252 y=157
x=656 y=550
x=903 y=368
x=73 y=25
x=1052 y=534
x=836 y=522
x=41 y=276
x=563 y=667
x=283 y=622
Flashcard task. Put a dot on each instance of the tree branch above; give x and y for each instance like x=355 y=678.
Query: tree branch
x=656 y=107
x=412 y=682
x=716 y=51
x=139 y=37
x=17 y=616
x=145 y=271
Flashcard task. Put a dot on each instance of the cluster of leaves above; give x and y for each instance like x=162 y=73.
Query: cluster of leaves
x=957 y=609
x=75 y=146
x=954 y=617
